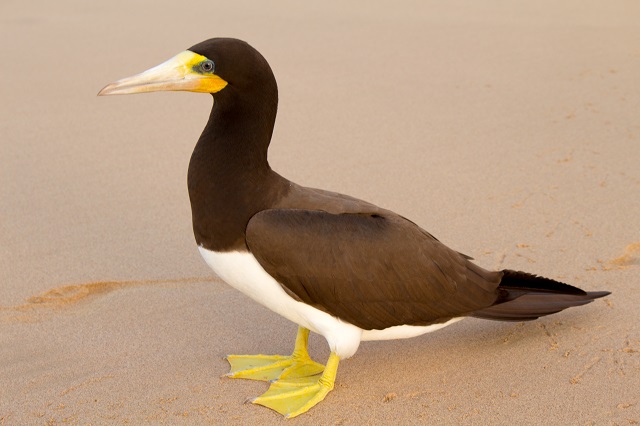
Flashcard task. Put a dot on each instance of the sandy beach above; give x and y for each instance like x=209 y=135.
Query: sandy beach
x=509 y=130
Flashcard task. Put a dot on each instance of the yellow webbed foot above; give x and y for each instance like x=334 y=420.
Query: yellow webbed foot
x=272 y=367
x=292 y=397
x=257 y=367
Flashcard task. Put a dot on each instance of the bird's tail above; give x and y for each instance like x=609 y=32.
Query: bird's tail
x=525 y=297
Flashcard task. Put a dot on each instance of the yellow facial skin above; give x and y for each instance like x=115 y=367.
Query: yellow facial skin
x=187 y=71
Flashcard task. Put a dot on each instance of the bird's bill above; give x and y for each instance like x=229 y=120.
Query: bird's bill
x=181 y=73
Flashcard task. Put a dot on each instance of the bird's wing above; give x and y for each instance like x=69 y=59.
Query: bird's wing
x=371 y=270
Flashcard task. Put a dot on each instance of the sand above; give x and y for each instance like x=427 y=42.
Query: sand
x=510 y=130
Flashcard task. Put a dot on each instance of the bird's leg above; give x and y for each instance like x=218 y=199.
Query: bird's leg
x=291 y=397
x=272 y=367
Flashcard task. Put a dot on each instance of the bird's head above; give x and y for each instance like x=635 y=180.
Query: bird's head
x=207 y=67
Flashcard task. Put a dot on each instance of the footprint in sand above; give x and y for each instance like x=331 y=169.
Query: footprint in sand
x=67 y=295
x=631 y=257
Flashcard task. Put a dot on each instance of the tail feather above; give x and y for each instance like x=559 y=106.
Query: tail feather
x=525 y=297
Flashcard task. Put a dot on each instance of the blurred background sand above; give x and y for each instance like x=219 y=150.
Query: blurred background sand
x=509 y=130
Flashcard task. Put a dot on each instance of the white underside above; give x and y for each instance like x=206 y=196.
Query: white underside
x=242 y=271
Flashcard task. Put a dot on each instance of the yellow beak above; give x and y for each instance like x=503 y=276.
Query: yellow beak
x=185 y=72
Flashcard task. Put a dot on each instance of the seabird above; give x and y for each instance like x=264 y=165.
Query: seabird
x=333 y=264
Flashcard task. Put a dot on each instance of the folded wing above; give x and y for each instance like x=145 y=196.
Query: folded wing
x=371 y=270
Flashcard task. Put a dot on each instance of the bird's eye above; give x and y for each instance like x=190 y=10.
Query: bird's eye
x=207 y=66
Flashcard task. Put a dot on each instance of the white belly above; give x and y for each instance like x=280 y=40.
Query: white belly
x=242 y=271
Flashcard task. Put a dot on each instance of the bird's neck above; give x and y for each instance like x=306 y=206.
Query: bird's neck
x=229 y=177
x=237 y=135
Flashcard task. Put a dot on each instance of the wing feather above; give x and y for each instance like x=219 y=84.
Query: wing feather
x=372 y=270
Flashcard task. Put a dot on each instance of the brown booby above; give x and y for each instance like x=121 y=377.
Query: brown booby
x=333 y=264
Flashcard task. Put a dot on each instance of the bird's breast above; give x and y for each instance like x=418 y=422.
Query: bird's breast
x=241 y=270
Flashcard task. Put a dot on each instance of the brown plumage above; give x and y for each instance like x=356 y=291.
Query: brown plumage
x=361 y=263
